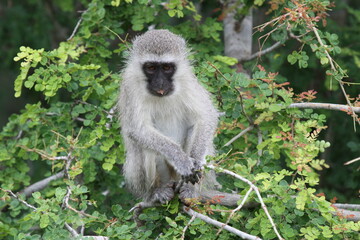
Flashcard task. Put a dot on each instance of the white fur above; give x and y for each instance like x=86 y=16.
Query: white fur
x=162 y=134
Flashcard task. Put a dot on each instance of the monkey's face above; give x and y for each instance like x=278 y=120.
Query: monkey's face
x=159 y=77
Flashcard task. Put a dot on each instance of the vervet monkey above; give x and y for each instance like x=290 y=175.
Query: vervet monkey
x=167 y=118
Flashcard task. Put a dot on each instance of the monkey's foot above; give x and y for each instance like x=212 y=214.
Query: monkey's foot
x=163 y=194
x=187 y=191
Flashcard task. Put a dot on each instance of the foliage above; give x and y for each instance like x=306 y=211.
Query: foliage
x=75 y=128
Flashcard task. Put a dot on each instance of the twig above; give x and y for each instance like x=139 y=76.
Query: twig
x=38 y=186
x=347 y=206
x=329 y=106
x=352 y=161
x=187 y=226
x=71 y=230
x=347 y=214
x=255 y=189
x=19 y=199
x=331 y=61
x=211 y=221
x=236 y=210
x=76 y=27
x=249 y=128
x=68 y=227
x=261 y=53
x=260 y=151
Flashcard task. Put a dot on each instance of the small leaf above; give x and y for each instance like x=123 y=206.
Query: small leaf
x=324 y=60
x=107 y=166
x=44 y=220
x=171 y=222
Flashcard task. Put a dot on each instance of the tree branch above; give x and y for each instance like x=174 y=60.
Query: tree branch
x=262 y=52
x=19 y=199
x=249 y=128
x=76 y=27
x=352 y=161
x=187 y=226
x=347 y=214
x=328 y=106
x=236 y=209
x=71 y=230
x=40 y=185
x=211 y=221
x=347 y=206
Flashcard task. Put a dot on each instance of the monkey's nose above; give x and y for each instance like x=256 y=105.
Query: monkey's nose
x=161 y=91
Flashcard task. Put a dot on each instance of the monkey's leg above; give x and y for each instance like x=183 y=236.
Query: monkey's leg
x=158 y=196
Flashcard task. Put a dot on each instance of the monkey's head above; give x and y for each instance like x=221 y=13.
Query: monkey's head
x=160 y=56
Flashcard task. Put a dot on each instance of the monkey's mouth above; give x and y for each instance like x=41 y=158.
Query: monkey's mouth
x=161 y=92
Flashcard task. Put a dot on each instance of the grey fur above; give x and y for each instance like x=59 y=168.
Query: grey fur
x=165 y=137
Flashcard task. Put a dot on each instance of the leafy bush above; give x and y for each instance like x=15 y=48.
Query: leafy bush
x=73 y=132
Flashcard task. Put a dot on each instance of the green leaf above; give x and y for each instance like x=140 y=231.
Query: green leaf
x=227 y=60
x=171 y=222
x=60 y=193
x=107 y=166
x=172 y=12
x=275 y=108
x=44 y=220
x=292 y=58
x=324 y=60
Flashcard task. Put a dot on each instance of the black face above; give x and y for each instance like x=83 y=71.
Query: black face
x=159 y=77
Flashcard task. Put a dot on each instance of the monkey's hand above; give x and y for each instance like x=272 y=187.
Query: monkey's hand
x=196 y=173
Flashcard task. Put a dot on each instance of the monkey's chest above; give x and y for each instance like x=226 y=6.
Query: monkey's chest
x=174 y=126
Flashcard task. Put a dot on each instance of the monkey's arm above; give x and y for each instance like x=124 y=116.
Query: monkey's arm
x=201 y=140
x=152 y=139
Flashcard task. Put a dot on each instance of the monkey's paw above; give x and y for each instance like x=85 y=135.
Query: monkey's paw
x=163 y=194
x=196 y=173
x=186 y=191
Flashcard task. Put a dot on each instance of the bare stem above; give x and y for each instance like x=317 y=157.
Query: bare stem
x=19 y=199
x=261 y=53
x=211 y=221
x=236 y=209
x=187 y=226
x=249 y=128
x=329 y=106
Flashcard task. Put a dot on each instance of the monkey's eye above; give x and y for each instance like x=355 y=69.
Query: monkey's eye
x=167 y=67
x=150 y=68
